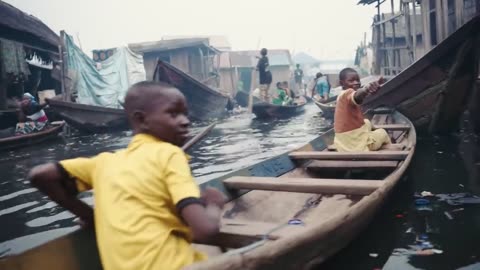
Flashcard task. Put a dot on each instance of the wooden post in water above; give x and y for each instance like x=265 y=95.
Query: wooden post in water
x=64 y=72
x=394 y=50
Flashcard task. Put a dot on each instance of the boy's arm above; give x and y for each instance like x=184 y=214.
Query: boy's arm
x=204 y=220
x=200 y=213
x=53 y=180
x=370 y=89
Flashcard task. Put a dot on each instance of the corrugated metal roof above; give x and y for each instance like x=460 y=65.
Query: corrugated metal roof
x=219 y=42
x=368 y=2
x=172 y=44
x=14 y=18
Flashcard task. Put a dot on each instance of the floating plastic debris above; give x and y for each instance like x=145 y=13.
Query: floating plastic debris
x=448 y=215
x=373 y=255
x=422 y=202
x=426 y=194
x=457 y=210
x=296 y=221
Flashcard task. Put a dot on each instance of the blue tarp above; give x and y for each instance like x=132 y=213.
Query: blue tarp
x=104 y=83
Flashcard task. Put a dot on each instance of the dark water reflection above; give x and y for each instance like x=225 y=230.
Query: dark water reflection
x=441 y=165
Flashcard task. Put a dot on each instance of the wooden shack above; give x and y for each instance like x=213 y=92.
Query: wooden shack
x=28 y=59
x=404 y=35
x=237 y=69
x=193 y=56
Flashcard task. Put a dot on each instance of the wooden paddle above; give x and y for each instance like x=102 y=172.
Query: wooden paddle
x=197 y=137
x=252 y=86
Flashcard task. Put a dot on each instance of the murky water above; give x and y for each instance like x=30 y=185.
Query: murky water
x=441 y=165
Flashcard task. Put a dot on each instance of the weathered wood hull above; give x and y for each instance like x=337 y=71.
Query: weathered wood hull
x=89 y=118
x=203 y=102
x=19 y=141
x=433 y=91
x=266 y=110
x=328 y=222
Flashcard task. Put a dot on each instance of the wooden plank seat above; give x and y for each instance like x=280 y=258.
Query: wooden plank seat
x=236 y=234
x=394 y=127
x=392 y=146
x=352 y=164
x=383 y=111
x=305 y=185
x=327 y=155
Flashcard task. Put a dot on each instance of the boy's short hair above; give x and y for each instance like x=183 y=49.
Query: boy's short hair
x=150 y=84
x=318 y=75
x=279 y=84
x=344 y=72
x=264 y=51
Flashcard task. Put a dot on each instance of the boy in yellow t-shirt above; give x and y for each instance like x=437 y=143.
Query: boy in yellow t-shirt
x=352 y=131
x=148 y=208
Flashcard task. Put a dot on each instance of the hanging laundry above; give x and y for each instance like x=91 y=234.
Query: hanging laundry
x=13 y=58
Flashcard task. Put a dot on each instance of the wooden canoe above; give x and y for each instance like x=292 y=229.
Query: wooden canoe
x=203 y=102
x=292 y=211
x=267 y=110
x=327 y=107
x=18 y=141
x=433 y=92
x=89 y=118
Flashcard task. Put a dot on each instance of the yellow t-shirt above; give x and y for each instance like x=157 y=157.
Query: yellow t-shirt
x=135 y=194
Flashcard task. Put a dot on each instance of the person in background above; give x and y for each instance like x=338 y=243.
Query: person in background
x=264 y=74
x=298 y=74
x=322 y=88
x=290 y=92
x=352 y=131
x=148 y=208
x=31 y=116
x=281 y=96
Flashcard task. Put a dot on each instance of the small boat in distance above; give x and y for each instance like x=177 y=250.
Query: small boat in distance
x=203 y=102
x=327 y=107
x=268 y=110
x=17 y=141
x=89 y=118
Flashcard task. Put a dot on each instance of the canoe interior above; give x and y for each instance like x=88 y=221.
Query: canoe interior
x=203 y=102
x=13 y=142
x=266 y=110
x=332 y=202
x=89 y=118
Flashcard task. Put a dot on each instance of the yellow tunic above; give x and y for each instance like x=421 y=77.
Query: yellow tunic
x=135 y=193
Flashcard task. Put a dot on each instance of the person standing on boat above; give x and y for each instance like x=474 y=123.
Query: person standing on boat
x=352 y=131
x=298 y=74
x=265 y=75
x=322 y=88
x=148 y=208
x=31 y=116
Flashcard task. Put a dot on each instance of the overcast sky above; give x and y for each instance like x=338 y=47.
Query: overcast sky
x=327 y=29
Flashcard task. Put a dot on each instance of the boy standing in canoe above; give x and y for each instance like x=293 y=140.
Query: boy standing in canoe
x=265 y=75
x=148 y=208
x=352 y=131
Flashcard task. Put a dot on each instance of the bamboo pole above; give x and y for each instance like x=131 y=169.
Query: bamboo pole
x=394 y=50
x=414 y=26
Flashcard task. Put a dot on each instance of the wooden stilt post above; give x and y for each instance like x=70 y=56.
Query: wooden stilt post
x=458 y=88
